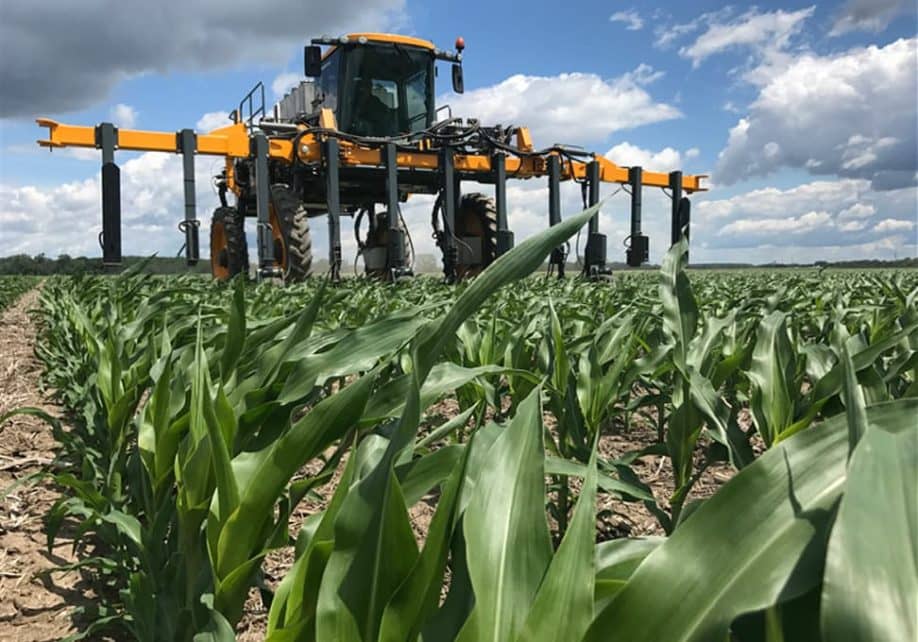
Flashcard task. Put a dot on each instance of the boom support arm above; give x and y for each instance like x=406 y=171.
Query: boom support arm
x=231 y=141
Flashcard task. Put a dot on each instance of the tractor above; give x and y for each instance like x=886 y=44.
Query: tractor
x=356 y=137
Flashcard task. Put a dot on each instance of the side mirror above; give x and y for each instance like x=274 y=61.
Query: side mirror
x=458 y=84
x=312 y=61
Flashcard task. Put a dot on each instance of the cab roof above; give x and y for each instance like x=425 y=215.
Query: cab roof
x=394 y=38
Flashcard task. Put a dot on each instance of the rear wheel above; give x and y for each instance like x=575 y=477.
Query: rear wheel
x=229 y=253
x=476 y=229
x=292 y=242
x=376 y=250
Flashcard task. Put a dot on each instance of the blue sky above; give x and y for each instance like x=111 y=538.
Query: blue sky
x=803 y=114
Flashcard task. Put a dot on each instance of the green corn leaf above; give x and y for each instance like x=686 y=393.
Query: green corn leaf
x=855 y=405
x=237 y=537
x=271 y=359
x=616 y=561
x=444 y=378
x=507 y=540
x=217 y=628
x=294 y=606
x=758 y=541
x=558 y=466
x=446 y=623
x=563 y=607
x=374 y=548
x=680 y=312
x=521 y=261
x=235 y=331
x=358 y=350
x=204 y=424
x=417 y=596
x=871 y=576
x=772 y=375
x=561 y=366
x=447 y=427
x=421 y=474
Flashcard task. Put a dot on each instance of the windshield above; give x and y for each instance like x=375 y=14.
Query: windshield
x=391 y=90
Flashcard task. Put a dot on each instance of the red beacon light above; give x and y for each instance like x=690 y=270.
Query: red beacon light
x=460 y=44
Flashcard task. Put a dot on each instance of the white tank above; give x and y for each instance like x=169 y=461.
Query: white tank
x=297 y=101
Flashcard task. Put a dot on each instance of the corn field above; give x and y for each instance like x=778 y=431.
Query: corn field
x=12 y=287
x=205 y=415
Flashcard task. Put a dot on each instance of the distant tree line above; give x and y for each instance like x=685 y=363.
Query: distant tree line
x=42 y=265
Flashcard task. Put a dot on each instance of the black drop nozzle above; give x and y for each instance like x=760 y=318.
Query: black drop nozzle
x=638 y=251
x=192 y=241
x=504 y=242
x=111 y=214
x=595 y=253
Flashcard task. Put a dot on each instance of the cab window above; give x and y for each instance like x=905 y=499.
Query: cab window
x=328 y=81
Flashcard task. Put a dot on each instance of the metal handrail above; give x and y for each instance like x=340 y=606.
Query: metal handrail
x=249 y=99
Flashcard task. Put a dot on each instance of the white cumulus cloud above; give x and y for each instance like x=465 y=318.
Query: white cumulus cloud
x=852 y=226
x=858 y=211
x=818 y=215
x=893 y=225
x=577 y=108
x=213 y=120
x=630 y=18
x=850 y=114
x=770 y=30
x=123 y=116
x=866 y=15
x=795 y=225
x=664 y=160
x=152 y=202
x=285 y=82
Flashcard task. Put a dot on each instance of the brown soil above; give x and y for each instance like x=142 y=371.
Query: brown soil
x=34 y=605
x=619 y=518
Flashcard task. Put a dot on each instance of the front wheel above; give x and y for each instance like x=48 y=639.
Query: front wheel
x=229 y=253
x=292 y=242
x=476 y=231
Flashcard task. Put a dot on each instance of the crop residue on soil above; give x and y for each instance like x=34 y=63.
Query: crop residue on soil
x=33 y=604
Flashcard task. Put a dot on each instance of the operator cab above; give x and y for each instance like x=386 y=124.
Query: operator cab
x=378 y=85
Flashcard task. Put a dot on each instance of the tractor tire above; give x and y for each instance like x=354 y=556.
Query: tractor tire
x=476 y=217
x=292 y=242
x=229 y=252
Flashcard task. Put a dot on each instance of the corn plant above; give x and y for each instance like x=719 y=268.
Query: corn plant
x=13 y=287
x=203 y=414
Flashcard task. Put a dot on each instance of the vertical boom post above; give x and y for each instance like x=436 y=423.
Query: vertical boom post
x=639 y=247
x=594 y=264
x=266 y=266
x=106 y=138
x=449 y=199
x=187 y=143
x=396 y=250
x=333 y=203
x=679 y=223
x=504 y=235
x=554 y=209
